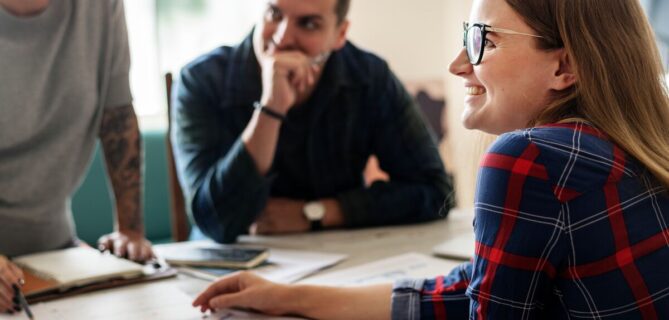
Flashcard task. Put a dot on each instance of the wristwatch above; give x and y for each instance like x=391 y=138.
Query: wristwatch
x=314 y=211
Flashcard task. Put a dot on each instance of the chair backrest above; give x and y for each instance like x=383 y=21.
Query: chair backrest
x=179 y=218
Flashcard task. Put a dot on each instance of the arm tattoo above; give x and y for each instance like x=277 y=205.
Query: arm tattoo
x=121 y=144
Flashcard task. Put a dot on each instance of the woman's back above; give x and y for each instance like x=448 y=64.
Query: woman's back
x=568 y=223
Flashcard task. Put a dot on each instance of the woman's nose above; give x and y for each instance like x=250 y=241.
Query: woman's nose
x=460 y=66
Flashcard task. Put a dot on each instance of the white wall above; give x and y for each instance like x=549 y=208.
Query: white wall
x=408 y=34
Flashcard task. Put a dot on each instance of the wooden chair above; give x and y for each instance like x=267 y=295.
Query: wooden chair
x=178 y=216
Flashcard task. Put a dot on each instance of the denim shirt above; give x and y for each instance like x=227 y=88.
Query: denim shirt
x=358 y=109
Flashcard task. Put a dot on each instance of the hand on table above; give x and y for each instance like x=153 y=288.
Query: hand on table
x=125 y=244
x=243 y=290
x=281 y=215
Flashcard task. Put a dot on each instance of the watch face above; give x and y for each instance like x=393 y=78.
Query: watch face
x=314 y=210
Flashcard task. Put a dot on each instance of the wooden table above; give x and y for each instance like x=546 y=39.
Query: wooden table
x=361 y=245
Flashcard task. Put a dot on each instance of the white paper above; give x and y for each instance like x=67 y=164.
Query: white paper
x=242 y=315
x=292 y=265
x=409 y=265
x=285 y=266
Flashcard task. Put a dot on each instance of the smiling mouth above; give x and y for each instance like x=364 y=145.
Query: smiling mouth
x=475 y=91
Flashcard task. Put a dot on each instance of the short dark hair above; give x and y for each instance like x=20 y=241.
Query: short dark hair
x=341 y=9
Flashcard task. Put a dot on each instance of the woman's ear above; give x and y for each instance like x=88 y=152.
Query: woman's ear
x=565 y=75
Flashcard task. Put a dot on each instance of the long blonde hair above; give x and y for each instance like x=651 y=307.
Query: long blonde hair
x=620 y=88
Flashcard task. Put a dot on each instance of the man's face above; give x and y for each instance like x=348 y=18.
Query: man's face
x=309 y=27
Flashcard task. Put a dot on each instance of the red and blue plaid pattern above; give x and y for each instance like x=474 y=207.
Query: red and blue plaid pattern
x=568 y=226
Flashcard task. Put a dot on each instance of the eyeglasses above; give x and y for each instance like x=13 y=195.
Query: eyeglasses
x=475 y=38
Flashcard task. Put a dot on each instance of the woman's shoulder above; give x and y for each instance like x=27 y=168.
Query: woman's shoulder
x=576 y=156
x=564 y=139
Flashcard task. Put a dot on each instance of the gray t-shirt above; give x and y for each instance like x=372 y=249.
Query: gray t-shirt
x=58 y=71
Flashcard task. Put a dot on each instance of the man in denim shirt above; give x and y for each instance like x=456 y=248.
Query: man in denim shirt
x=272 y=135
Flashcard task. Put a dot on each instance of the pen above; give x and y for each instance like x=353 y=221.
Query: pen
x=22 y=301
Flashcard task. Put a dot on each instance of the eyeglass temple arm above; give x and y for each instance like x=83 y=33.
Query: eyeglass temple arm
x=507 y=31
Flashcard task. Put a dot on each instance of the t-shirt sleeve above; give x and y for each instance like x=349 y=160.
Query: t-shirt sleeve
x=118 y=92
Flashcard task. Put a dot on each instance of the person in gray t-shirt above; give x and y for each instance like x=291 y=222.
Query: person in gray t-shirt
x=64 y=84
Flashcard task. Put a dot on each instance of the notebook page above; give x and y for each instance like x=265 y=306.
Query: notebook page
x=78 y=265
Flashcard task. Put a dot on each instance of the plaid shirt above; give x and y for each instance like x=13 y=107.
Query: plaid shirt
x=567 y=227
x=359 y=108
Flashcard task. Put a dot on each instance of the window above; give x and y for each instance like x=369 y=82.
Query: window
x=165 y=35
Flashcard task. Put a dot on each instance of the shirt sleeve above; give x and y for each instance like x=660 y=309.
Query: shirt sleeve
x=439 y=298
x=224 y=191
x=419 y=188
x=118 y=92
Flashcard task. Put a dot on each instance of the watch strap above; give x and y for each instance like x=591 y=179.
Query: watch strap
x=316 y=225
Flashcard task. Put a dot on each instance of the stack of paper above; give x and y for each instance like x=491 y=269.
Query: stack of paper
x=409 y=265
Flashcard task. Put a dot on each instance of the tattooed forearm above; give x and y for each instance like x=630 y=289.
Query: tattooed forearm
x=121 y=143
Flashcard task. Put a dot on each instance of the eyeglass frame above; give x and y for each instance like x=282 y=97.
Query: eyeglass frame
x=485 y=29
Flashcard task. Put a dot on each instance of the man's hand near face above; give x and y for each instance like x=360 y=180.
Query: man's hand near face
x=288 y=78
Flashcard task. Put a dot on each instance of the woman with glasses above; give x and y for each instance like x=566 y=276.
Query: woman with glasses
x=572 y=208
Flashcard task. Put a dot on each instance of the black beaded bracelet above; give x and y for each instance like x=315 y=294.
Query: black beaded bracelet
x=268 y=111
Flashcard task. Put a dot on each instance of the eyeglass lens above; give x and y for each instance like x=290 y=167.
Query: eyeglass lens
x=473 y=44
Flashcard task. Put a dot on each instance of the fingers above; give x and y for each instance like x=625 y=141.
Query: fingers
x=6 y=297
x=10 y=275
x=264 y=227
x=120 y=249
x=243 y=290
x=253 y=229
x=105 y=243
x=264 y=224
x=133 y=251
x=230 y=300
x=145 y=252
x=297 y=67
x=16 y=272
x=224 y=285
x=132 y=247
x=138 y=250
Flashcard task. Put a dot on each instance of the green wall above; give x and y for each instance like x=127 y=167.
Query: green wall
x=91 y=205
